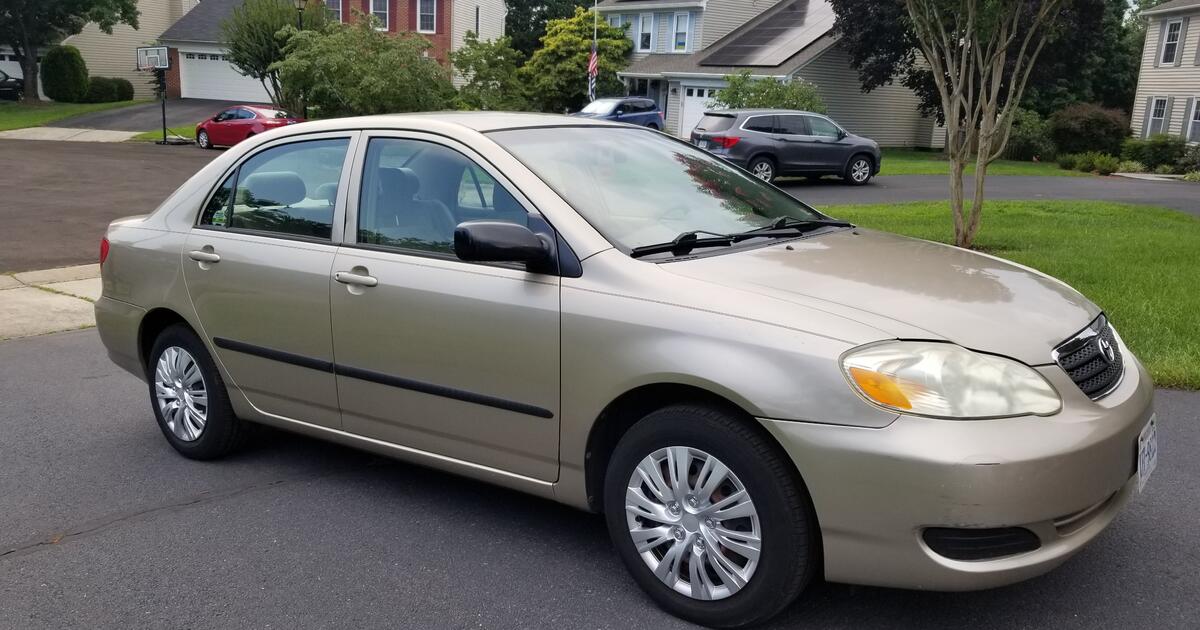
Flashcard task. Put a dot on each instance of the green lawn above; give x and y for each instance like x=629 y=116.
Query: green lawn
x=1141 y=264
x=914 y=162
x=188 y=132
x=20 y=115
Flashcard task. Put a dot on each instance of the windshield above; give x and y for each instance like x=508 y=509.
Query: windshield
x=601 y=108
x=641 y=188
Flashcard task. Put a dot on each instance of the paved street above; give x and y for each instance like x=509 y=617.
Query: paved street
x=181 y=112
x=103 y=525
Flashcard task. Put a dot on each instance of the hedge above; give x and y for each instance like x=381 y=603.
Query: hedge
x=65 y=75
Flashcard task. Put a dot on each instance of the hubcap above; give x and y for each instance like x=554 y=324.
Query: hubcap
x=693 y=523
x=203 y=138
x=181 y=394
x=763 y=171
x=860 y=171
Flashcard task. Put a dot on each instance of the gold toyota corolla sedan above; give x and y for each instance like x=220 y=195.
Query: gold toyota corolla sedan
x=752 y=393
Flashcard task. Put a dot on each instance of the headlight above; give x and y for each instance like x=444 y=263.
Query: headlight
x=943 y=380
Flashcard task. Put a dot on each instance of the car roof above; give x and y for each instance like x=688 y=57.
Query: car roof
x=748 y=111
x=479 y=121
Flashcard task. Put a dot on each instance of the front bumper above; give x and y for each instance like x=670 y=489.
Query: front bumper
x=1063 y=477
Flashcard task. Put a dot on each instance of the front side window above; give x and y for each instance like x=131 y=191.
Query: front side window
x=334 y=7
x=228 y=114
x=681 y=32
x=645 y=40
x=414 y=193
x=245 y=114
x=289 y=189
x=640 y=188
x=379 y=9
x=1158 y=113
x=427 y=16
x=1171 y=42
x=822 y=128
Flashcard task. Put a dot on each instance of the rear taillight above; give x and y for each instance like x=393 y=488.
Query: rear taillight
x=103 y=250
x=726 y=142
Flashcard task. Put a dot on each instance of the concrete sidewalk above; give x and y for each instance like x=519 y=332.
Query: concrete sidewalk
x=51 y=300
x=64 y=134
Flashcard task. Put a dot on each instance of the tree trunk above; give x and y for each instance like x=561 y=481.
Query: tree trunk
x=957 y=166
x=29 y=67
x=972 y=227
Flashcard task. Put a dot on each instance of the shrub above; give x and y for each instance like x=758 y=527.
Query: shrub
x=1131 y=166
x=1190 y=162
x=744 y=91
x=1066 y=161
x=1086 y=161
x=124 y=89
x=1193 y=176
x=102 y=90
x=1160 y=149
x=65 y=75
x=1164 y=169
x=1106 y=164
x=1086 y=127
x=1030 y=137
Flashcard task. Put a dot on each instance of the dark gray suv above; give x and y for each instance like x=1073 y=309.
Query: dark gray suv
x=774 y=142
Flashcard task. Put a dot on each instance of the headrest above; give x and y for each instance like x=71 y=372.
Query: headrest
x=399 y=182
x=328 y=192
x=282 y=188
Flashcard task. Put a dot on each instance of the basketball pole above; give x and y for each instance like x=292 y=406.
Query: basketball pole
x=162 y=96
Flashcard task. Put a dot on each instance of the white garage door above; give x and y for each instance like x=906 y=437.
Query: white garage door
x=209 y=75
x=695 y=101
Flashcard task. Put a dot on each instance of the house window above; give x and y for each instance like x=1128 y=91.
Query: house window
x=477 y=19
x=1158 y=113
x=645 y=41
x=379 y=9
x=1194 y=123
x=334 y=7
x=427 y=16
x=1170 y=49
x=681 y=32
x=614 y=21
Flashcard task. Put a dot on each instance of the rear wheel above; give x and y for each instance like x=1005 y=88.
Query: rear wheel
x=203 y=140
x=763 y=168
x=189 y=397
x=709 y=518
x=859 y=170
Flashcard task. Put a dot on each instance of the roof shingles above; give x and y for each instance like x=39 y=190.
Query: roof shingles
x=203 y=23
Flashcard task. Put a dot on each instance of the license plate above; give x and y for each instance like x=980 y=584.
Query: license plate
x=703 y=144
x=1147 y=452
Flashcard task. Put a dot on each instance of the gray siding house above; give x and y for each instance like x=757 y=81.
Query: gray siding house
x=1168 y=91
x=683 y=49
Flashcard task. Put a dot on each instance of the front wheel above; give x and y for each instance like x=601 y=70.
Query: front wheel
x=762 y=168
x=859 y=170
x=709 y=517
x=203 y=140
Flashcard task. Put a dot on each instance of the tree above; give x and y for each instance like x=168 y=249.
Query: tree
x=526 y=20
x=356 y=70
x=26 y=26
x=491 y=71
x=745 y=91
x=66 y=73
x=252 y=33
x=981 y=53
x=556 y=75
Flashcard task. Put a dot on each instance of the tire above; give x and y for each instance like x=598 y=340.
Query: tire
x=763 y=168
x=221 y=432
x=203 y=140
x=652 y=126
x=859 y=170
x=789 y=550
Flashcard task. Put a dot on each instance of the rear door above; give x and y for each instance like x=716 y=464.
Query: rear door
x=256 y=267
x=794 y=141
x=448 y=357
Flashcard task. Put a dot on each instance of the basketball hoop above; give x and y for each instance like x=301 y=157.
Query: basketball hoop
x=153 y=58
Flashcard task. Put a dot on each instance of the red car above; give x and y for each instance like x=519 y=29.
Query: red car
x=235 y=124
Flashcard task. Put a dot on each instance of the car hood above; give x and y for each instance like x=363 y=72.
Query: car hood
x=908 y=288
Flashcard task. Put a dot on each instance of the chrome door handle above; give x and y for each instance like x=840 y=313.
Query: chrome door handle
x=203 y=256
x=345 y=277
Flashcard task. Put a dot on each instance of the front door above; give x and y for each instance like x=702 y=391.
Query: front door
x=257 y=266
x=829 y=149
x=448 y=357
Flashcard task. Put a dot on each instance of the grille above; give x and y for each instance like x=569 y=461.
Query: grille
x=1092 y=358
x=980 y=544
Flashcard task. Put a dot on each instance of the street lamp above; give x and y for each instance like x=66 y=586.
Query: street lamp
x=299 y=4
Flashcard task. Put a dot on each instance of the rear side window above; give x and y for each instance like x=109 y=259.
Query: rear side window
x=289 y=189
x=791 y=125
x=761 y=124
x=715 y=122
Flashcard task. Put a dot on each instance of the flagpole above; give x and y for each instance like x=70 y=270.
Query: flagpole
x=595 y=46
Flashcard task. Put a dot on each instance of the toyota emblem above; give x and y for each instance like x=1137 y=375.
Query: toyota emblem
x=1107 y=351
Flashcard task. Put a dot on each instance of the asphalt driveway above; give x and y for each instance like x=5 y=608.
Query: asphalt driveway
x=102 y=525
x=180 y=113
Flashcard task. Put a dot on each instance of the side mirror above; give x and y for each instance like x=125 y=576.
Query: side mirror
x=499 y=241
x=619 y=112
x=842 y=134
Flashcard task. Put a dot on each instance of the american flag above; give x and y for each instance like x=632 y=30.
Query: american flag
x=593 y=70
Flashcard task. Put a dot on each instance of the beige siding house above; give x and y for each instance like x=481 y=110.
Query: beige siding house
x=683 y=49
x=1168 y=92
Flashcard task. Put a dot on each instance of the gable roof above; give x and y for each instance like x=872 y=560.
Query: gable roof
x=1173 y=5
x=634 y=5
x=202 y=23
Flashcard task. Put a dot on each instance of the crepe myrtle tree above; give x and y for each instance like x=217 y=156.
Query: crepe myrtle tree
x=27 y=26
x=256 y=33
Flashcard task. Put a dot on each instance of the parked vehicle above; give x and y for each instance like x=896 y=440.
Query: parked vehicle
x=750 y=391
x=11 y=87
x=235 y=124
x=775 y=142
x=632 y=110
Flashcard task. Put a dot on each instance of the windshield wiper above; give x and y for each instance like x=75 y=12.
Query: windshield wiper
x=786 y=226
x=685 y=243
